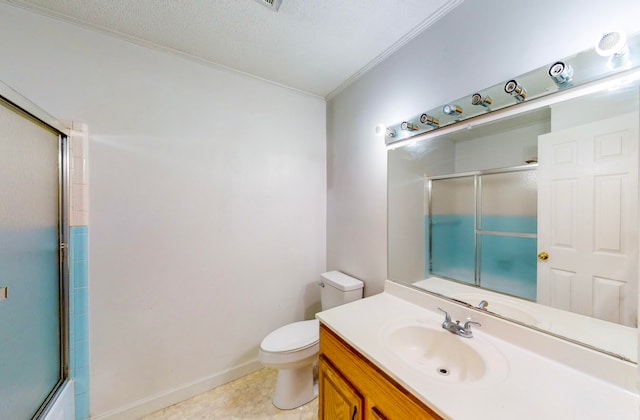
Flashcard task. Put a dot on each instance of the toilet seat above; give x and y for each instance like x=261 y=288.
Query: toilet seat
x=292 y=337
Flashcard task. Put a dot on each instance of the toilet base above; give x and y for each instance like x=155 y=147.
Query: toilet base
x=294 y=387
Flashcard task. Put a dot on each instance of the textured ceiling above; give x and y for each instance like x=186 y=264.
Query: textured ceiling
x=315 y=46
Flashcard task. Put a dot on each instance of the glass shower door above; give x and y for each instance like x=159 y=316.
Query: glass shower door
x=30 y=338
x=507 y=232
x=451 y=227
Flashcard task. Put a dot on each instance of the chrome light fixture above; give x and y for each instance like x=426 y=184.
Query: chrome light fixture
x=408 y=126
x=516 y=90
x=429 y=120
x=561 y=73
x=477 y=99
x=451 y=109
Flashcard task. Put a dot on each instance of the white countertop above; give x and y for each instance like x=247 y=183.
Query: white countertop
x=547 y=383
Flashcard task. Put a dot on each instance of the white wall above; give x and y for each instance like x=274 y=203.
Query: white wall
x=477 y=45
x=207 y=206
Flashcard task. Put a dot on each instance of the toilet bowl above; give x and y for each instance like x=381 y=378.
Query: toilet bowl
x=293 y=349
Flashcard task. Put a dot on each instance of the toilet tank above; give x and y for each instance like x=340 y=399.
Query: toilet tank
x=339 y=288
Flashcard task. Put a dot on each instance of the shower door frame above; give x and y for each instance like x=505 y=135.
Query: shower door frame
x=26 y=109
x=477 y=205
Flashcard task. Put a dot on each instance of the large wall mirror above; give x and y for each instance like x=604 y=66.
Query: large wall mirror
x=531 y=209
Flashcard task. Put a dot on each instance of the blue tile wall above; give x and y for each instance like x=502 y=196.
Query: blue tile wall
x=79 y=318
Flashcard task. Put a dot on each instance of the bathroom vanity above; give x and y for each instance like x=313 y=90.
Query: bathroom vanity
x=387 y=357
x=350 y=383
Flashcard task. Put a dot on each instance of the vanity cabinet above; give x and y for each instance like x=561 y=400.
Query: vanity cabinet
x=351 y=387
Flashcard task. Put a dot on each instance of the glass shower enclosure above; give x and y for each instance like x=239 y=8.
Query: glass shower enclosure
x=482 y=228
x=32 y=263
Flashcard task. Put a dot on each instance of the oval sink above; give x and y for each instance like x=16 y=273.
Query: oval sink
x=446 y=356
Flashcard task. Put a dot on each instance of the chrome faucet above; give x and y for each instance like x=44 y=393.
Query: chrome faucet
x=483 y=304
x=456 y=328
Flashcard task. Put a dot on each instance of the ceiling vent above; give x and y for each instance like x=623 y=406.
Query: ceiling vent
x=271 y=4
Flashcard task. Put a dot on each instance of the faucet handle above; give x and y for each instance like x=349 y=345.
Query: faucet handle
x=447 y=317
x=467 y=325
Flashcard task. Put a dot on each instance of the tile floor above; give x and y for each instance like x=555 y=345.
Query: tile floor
x=247 y=398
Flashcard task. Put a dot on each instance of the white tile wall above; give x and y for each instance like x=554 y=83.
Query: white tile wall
x=79 y=175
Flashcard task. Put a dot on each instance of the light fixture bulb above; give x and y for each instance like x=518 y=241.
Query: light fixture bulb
x=561 y=73
x=477 y=99
x=516 y=90
x=451 y=109
x=612 y=43
x=382 y=130
x=429 y=120
x=408 y=126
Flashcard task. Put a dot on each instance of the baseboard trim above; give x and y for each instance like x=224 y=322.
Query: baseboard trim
x=172 y=396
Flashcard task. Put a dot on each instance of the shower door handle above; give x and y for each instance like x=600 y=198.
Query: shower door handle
x=3 y=293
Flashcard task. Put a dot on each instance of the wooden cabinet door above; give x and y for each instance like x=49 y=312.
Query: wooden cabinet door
x=379 y=397
x=338 y=399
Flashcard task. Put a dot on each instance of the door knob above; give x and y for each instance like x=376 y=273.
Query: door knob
x=543 y=256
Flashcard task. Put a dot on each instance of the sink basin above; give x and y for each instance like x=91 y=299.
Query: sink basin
x=435 y=352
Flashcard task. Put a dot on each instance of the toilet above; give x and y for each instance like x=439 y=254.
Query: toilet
x=293 y=349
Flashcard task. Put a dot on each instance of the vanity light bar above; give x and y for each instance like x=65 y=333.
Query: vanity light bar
x=539 y=82
x=613 y=82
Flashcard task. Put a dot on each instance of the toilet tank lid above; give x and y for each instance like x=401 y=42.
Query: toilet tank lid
x=342 y=281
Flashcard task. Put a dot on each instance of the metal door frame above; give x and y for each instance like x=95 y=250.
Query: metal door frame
x=20 y=105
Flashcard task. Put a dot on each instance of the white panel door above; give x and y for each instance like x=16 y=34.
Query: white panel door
x=588 y=219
